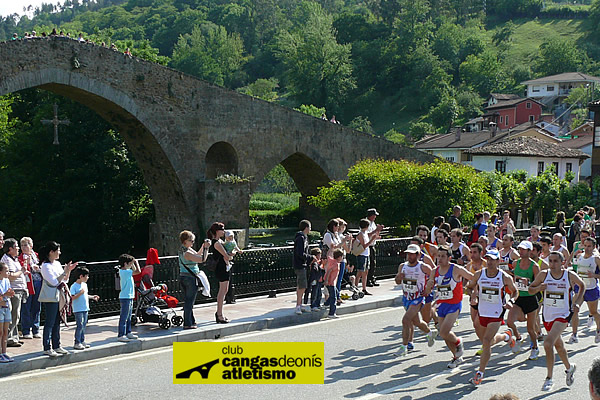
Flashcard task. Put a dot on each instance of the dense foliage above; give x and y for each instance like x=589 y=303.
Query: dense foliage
x=410 y=193
x=86 y=193
x=393 y=64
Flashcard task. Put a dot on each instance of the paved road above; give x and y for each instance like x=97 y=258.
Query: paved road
x=360 y=364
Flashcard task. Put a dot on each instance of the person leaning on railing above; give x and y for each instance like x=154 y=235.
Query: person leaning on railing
x=188 y=272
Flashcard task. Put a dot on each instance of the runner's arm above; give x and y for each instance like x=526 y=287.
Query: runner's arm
x=473 y=282
x=399 y=275
x=537 y=285
x=574 y=279
x=509 y=283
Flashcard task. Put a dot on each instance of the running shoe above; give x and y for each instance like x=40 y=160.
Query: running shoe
x=573 y=339
x=571 y=374
x=430 y=338
x=590 y=322
x=402 y=351
x=61 y=351
x=518 y=343
x=456 y=361
x=479 y=352
x=9 y=358
x=459 y=350
x=511 y=339
x=535 y=353
x=410 y=346
x=548 y=384
x=476 y=380
x=597 y=339
x=333 y=316
x=298 y=310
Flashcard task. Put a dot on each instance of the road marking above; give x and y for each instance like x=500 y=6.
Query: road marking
x=62 y=368
x=118 y=358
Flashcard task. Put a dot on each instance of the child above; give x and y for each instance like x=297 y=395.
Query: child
x=315 y=280
x=231 y=248
x=5 y=317
x=81 y=306
x=128 y=266
x=331 y=273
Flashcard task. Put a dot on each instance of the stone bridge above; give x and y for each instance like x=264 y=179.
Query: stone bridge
x=184 y=132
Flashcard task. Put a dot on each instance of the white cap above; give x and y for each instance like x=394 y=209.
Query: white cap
x=525 y=244
x=228 y=233
x=413 y=248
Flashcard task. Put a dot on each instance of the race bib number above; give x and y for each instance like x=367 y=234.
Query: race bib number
x=503 y=267
x=583 y=273
x=555 y=299
x=490 y=295
x=444 y=292
x=522 y=283
x=409 y=286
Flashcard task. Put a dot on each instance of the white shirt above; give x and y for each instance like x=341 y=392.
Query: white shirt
x=15 y=266
x=51 y=272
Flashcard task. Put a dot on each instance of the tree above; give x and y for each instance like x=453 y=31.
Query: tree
x=410 y=193
x=311 y=110
x=265 y=89
x=209 y=53
x=556 y=56
x=317 y=68
x=361 y=124
x=394 y=136
x=444 y=114
x=418 y=130
x=484 y=73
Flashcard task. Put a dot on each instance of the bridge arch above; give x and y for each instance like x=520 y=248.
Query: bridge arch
x=126 y=116
x=221 y=158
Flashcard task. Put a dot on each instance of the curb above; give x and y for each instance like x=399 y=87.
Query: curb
x=30 y=362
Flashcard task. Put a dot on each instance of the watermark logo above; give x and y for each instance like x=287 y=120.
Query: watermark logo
x=248 y=363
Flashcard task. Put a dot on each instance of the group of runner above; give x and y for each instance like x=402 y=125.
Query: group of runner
x=541 y=274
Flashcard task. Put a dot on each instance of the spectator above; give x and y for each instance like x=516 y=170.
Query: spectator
x=559 y=226
x=315 y=280
x=373 y=230
x=128 y=266
x=55 y=279
x=81 y=306
x=190 y=276
x=453 y=220
x=437 y=223
x=345 y=247
x=507 y=225
x=332 y=269
x=1 y=243
x=80 y=39
x=215 y=233
x=300 y=261
x=30 y=311
x=594 y=377
x=19 y=285
x=15 y=36
x=53 y=33
x=324 y=117
x=5 y=318
x=574 y=231
x=362 y=260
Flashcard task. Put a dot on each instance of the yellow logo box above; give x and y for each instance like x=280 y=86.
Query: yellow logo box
x=248 y=363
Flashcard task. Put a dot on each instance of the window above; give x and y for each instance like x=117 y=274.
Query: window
x=450 y=159
x=506 y=120
x=528 y=105
x=569 y=167
x=540 y=167
x=550 y=89
x=532 y=118
x=501 y=119
x=535 y=89
x=501 y=166
x=466 y=157
x=555 y=165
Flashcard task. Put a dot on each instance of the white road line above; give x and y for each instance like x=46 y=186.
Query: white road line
x=83 y=364
x=119 y=358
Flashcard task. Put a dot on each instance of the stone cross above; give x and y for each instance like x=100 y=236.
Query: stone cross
x=56 y=122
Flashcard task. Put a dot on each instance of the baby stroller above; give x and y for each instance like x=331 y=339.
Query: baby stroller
x=148 y=307
x=348 y=284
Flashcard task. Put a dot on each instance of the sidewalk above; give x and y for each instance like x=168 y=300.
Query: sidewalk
x=251 y=314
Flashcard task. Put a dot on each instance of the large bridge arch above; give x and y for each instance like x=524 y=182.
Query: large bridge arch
x=124 y=115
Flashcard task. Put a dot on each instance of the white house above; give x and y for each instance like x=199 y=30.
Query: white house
x=452 y=146
x=554 y=87
x=496 y=98
x=527 y=153
x=582 y=139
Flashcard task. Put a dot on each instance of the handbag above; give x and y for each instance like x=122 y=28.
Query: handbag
x=48 y=293
x=357 y=247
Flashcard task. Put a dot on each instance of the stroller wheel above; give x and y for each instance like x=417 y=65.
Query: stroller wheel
x=361 y=295
x=165 y=324
x=355 y=296
x=177 y=320
x=134 y=320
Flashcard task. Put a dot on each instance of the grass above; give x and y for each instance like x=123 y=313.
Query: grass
x=274 y=201
x=273 y=210
x=530 y=34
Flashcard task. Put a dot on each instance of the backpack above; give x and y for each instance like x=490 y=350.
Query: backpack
x=473 y=236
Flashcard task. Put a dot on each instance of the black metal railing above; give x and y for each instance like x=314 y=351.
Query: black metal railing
x=255 y=272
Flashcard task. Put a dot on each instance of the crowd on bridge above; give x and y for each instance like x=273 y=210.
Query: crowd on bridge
x=33 y=35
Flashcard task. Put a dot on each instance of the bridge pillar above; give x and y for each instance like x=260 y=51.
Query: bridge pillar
x=228 y=203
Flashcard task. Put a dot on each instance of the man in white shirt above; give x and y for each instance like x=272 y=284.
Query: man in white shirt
x=372 y=230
